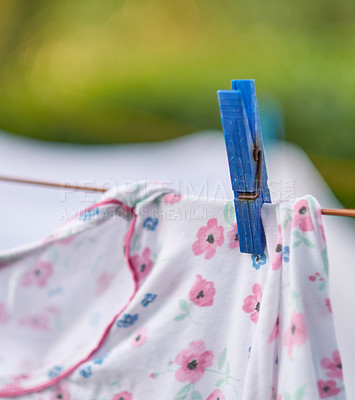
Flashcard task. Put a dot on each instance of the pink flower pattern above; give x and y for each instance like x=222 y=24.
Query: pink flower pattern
x=140 y=337
x=233 y=237
x=104 y=282
x=61 y=392
x=193 y=362
x=37 y=322
x=333 y=365
x=252 y=303
x=275 y=331
x=302 y=217
x=202 y=292
x=4 y=316
x=329 y=305
x=123 y=396
x=38 y=274
x=321 y=227
x=172 y=198
x=216 y=395
x=296 y=333
x=277 y=257
x=142 y=263
x=327 y=388
x=209 y=237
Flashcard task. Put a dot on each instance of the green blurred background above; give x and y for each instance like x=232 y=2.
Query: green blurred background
x=89 y=71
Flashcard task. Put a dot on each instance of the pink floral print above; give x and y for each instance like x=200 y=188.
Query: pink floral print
x=274 y=395
x=275 y=331
x=216 y=395
x=139 y=337
x=172 y=198
x=67 y=240
x=328 y=305
x=202 y=292
x=276 y=261
x=38 y=274
x=233 y=237
x=296 y=333
x=38 y=322
x=333 y=365
x=61 y=392
x=193 y=361
x=327 y=389
x=142 y=263
x=252 y=303
x=104 y=282
x=4 y=316
x=209 y=237
x=123 y=396
x=321 y=227
x=302 y=217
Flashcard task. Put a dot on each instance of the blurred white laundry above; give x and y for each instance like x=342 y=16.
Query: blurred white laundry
x=195 y=164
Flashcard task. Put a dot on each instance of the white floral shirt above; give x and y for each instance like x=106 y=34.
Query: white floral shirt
x=145 y=296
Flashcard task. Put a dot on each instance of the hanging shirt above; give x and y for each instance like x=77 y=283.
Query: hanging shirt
x=145 y=295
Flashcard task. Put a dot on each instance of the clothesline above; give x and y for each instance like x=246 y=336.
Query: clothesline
x=325 y=211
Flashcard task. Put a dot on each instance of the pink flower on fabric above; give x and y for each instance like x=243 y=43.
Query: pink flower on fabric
x=38 y=274
x=123 y=396
x=67 y=240
x=36 y=322
x=275 y=331
x=209 y=237
x=172 y=198
x=296 y=334
x=140 y=337
x=276 y=261
x=61 y=392
x=302 y=217
x=142 y=263
x=103 y=282
x=252 y=303
x=202 y=292
x=275 y=396
x=327 y=389
x=333 y=365
x=321 y=227
x=216 y=395
x=4 y=316
x=329 y=305
x=193 y=361
x=233 y=237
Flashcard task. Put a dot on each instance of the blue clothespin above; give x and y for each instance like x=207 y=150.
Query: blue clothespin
x=242 y=132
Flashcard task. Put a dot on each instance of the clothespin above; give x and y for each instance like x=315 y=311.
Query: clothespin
x=242 y=133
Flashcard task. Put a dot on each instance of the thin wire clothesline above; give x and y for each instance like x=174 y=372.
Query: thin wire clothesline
x=325 y=211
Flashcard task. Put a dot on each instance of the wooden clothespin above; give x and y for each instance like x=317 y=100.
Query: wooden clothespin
x=242 y=132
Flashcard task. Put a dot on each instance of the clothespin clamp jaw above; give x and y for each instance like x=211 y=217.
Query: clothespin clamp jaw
x=242 y=133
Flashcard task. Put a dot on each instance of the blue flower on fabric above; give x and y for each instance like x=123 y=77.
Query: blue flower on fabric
x=55 y=371
x=89 y=214
x=99 y=360
x=258 y=260
x=86 y=372
x=127 y=320
x=150 y=223
x=286 y=253
x=148 y=298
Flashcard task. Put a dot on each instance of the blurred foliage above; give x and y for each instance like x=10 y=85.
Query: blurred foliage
x=92 y=71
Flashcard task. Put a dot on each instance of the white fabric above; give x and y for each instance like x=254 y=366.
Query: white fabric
x=145 y=295
x=192 y=164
